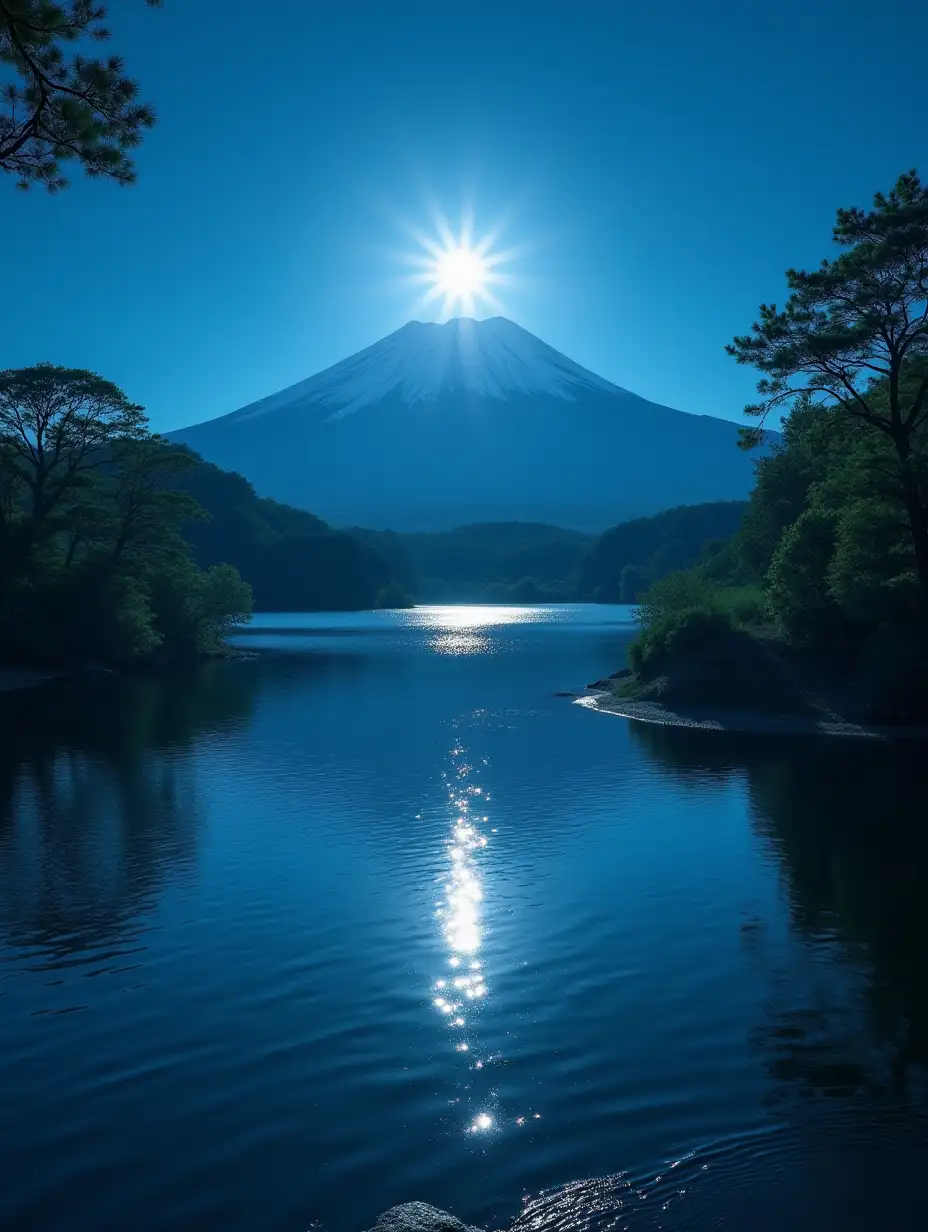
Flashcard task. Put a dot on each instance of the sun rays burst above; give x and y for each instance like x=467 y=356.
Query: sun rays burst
x=459 y=272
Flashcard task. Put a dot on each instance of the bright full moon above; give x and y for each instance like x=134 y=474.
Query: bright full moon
x=458 y=270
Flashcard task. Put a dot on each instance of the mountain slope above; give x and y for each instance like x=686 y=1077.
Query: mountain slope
x=292 y=560
x=437 y=425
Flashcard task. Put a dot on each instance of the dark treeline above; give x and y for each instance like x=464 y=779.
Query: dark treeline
x=292 y=560
x=492 y=562
x=526 y=562
x=833 y=551
x=116 y=547
x=625 y=560
x=93 y=564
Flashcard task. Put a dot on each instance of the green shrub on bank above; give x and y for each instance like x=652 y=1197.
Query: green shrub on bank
x=685 y=591
x=393 y=595
x=687 y=610
x=746 y=605
x=675 y=634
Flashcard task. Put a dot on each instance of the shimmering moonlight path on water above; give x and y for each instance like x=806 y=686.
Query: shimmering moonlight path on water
x=374 y=916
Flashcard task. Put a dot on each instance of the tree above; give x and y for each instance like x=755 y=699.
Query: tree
x=854 y=337
x=65 y=106
x=58 y=426
x=149 y=505
x=196 y=610
x=798 y=580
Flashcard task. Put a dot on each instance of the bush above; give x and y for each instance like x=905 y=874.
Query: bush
x=685 y=591
x=195 y=610
x=746 y=605
x=676 y=633
x=393 y=595
x=800 y=598
x=872 y=573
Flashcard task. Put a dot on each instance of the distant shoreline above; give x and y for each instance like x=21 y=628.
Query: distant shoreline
x=730 y=719
x=14 y=679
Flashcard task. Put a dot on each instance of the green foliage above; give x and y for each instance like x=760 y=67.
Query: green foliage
x=784 y=479
x=198 y=609
x=93 y=563
x=684 y=591
x=676 y=633
x=393 y=596
x=487 y=562
x=798 y=580
x=148 y=506
x=853 y=340
x=650 y=548
x=827 y=531
x=90 y=615
x=746 y=606
x=871 y=572
x=837 y=526
x=688 y=610
x=64 y=105
x=293 y=560
x=58 y=426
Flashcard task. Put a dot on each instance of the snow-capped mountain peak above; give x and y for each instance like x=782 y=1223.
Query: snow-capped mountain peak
x=472 y=421
x=494 y=358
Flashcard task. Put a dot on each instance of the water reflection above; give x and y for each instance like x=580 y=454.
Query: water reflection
x=97 y=804
x=844 y=823
x=460 y=643
x=478 y=616
x=458 y=993
x=462 y=630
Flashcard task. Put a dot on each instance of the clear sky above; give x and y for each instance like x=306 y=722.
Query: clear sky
x=656 y=165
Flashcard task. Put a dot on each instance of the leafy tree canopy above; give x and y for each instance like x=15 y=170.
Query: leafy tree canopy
x=853 y=338
x=60 y=104
x=93 y=561
x=58 y=424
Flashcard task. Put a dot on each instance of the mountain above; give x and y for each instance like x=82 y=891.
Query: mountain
x=472 y=421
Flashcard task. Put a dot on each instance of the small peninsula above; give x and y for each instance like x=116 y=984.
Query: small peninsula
x=740 y=682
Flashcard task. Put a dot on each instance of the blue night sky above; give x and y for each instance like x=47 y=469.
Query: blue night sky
x=656 y=166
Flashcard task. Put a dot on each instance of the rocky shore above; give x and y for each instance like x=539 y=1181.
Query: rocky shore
x=419 y=1217
x=739 y=682
x=731 y=719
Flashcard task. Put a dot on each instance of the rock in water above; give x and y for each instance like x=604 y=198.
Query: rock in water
x=419 y=1217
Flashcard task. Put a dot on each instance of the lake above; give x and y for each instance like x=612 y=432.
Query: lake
x=374 y=916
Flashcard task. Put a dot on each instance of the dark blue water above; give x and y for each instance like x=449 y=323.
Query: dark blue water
x=375 y=916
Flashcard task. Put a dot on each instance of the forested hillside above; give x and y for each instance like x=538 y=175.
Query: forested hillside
x=494 y=562
x=626 y=559
x=293 y=560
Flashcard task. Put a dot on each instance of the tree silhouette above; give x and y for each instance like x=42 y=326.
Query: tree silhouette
x=853 y=337
x=63 y=106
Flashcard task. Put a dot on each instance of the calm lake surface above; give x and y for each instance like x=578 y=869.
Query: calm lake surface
x=374 y=916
